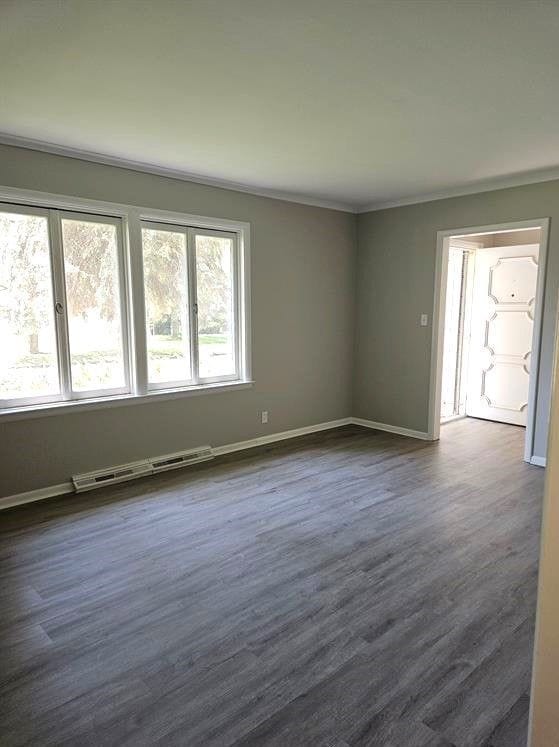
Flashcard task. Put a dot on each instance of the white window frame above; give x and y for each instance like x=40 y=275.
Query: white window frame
x=190 y=235
x=67 y=393
x=130 y=219
x=184 y=383
x=15 y=402
x=70 y=393
x=236 y=305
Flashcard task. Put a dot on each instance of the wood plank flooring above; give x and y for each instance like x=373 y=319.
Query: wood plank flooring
x=347 y=588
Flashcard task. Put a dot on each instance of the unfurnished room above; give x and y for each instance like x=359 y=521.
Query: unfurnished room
x=279 y=417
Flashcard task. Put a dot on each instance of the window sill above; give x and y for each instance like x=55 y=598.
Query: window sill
x=101 y=403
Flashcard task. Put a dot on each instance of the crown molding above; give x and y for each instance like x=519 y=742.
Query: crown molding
x=150 y=168
x=487 y=185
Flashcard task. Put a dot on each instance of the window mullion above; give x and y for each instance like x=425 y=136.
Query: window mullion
x=137 y=291
x=60 y=307
x=237 y=312
x=124 y=286
x=193 y=303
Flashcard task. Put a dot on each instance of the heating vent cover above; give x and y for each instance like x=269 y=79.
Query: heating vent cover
x=123 y=472
x=110 y=475
x=181 y=459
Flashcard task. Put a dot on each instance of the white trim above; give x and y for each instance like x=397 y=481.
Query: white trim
x=293 y=433
x=130 y=218
x=391 y=429
x=237 y=303
x=185 y=176
x=101 y=403
x=538 y=461
x=61 y=319
x=439 y=299
x=489 y=185
x=539 y=304
x=452 y=418
x=136 y=292
x=66 y=487
x=245 y=300
x=18 y=499
x=50 y=200
x=465 y=244
x=281 y=436
x=123 y=283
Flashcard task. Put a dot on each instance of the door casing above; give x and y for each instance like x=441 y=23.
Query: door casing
x=439 y=301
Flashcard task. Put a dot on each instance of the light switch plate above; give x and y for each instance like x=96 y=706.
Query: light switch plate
x=424 y=320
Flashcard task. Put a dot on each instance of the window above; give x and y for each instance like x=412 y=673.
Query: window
x=70 y=287
x=61 y=323
x=28 y=364
x=190 y=288
x=167 y=306
x=92 y=274
x=216 y=306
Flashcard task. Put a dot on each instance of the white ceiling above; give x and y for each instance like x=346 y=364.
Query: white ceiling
x=349 y=102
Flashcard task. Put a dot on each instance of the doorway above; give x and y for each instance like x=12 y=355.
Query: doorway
x=486 y=325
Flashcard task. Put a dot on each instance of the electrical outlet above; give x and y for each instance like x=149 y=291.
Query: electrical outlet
x=264 y=415
x=424 y=320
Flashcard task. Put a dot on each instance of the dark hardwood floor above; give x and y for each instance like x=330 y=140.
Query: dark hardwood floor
x=347 y=588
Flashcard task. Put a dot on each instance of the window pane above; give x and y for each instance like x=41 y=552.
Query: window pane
x=93 y=298
x=216 y=316
x=166 y=293
x=28 y=362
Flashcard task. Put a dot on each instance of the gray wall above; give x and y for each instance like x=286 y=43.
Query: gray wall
x=308 y=267
x=395 y=284
x=303 y=266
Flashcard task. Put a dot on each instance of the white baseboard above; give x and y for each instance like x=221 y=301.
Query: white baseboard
x=36 y=495
x=66 y=487
x=538 y=461
x=281 y=436
x=391 y=429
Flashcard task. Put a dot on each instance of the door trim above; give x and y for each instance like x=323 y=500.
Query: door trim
x=439 y=304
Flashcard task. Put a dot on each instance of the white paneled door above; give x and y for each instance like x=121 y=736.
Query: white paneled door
x=502 y=324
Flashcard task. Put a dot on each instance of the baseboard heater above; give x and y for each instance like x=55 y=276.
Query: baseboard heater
x=133 y=470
